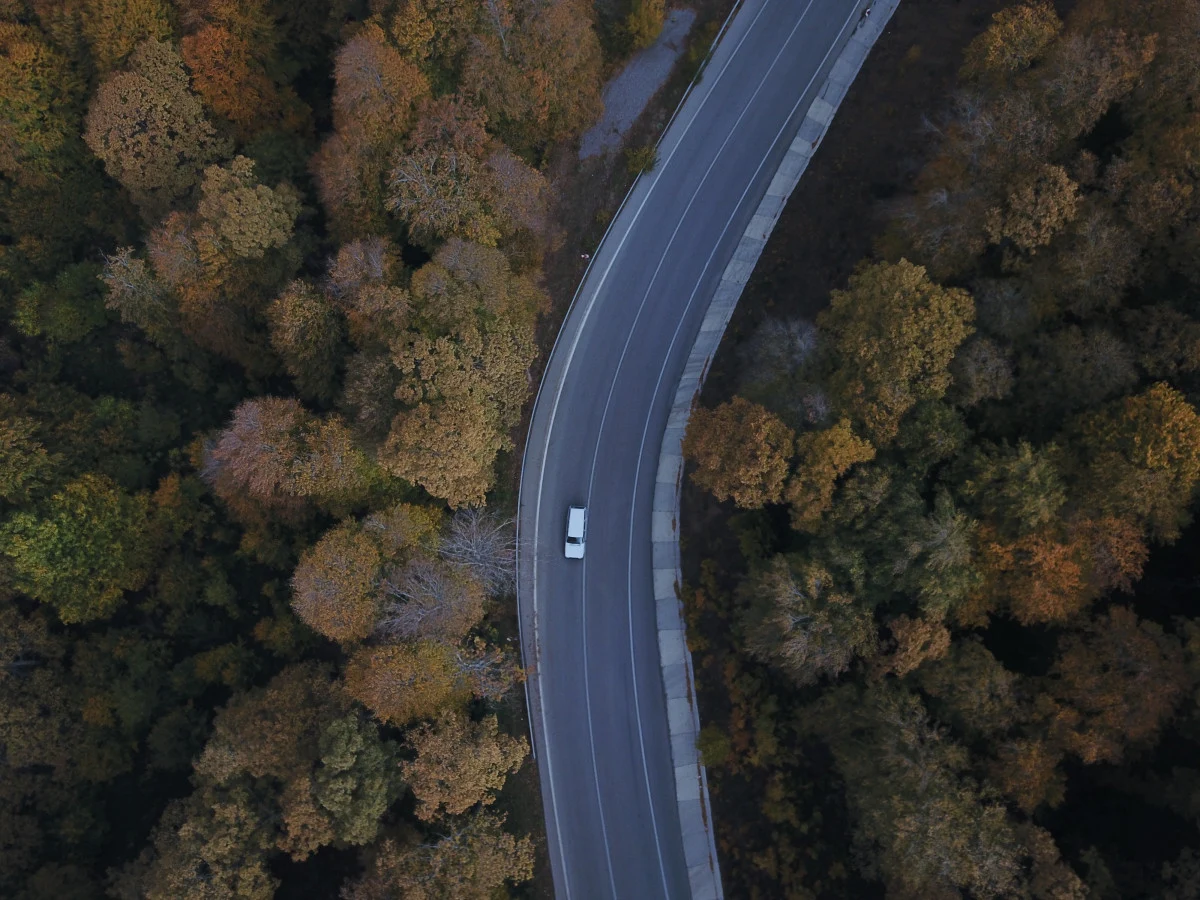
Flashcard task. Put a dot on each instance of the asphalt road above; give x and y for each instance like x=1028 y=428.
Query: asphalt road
x=590 y=644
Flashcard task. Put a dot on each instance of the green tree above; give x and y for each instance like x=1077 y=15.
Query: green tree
x=83 y=549
x=803 y=623
x=644 y=22
x=1143 y=459
x=67 y=310
x=1017 y=488
x=307 y=334
x=937 y=561
x=917 y=811
x=319 y=764
x=25 y=466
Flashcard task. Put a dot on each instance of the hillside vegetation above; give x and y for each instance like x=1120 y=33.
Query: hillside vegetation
x=938 y=675
x=269 y=278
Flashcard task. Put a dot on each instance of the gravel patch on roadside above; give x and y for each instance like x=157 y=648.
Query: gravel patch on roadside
x=627 y=94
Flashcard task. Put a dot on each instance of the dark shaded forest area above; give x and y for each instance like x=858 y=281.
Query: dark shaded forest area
x=941 y=606
x=269 y=274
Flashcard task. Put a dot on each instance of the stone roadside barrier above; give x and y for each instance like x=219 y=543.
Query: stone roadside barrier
x=691 y=783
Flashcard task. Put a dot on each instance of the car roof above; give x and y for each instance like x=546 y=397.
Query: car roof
x=575 y=519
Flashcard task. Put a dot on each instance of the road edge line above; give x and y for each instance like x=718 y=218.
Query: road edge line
x=691 y=779
x=527 y=615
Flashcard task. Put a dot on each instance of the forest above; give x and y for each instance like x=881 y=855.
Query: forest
x=944 y=615
x=269 y=278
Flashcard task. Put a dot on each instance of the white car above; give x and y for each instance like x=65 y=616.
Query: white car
x=576 y=531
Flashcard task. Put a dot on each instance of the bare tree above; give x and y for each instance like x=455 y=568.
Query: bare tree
x=428 y=599
x=484 y=545
x=489 y=672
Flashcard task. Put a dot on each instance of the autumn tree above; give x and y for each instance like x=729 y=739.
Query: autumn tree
x=334 y=588
x=741 y=452
x=375 y=88
x=464 y=391
x=427 y=598
x=276 y=454
x=362 y=283
x=1016 y=38
x=149 y=130
x=1036 y=209
x=466 y=283
x=82 y=550
x=895 y=333
x=913 y=642
x=210 y=845
x=39 y=103
x=114 y=29
x=402 y=682
x=233 y=83
x=822 y=457
x=475 y=858
x=375 y=92
x=1041 y=575
x=459 y=764
x=535 y=69
x=454 y=181
x=1120 y=679
x=1026 y=769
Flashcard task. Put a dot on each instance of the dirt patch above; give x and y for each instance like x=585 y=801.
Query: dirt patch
x=626 y=95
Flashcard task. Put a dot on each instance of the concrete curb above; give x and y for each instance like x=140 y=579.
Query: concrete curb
x=691 y=780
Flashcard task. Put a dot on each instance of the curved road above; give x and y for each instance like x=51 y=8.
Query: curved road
x=588 y=626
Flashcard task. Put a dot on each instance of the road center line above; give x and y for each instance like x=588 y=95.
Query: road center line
x=612 y=389
x=566 y=887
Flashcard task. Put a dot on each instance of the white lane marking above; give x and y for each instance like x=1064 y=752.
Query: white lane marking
x=658 y=384
x=550 y=429
x=641 y=449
